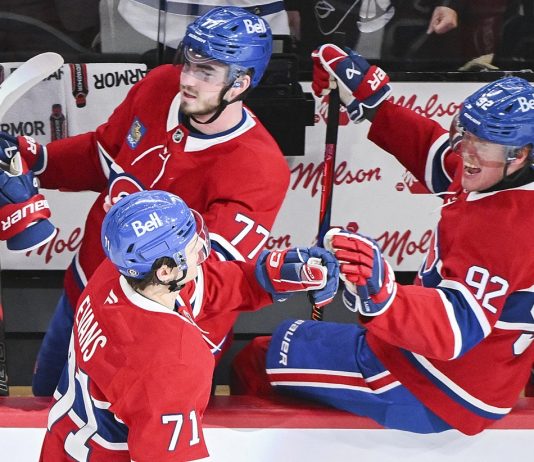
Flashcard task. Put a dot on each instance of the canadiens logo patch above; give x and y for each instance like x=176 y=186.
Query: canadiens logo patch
x=122 y=185
x=136 y=132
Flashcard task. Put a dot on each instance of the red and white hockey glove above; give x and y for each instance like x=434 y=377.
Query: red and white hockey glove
x=33 y=153
x=281 y=273
x=364 y=271
x=360 y=84
x=24 y=212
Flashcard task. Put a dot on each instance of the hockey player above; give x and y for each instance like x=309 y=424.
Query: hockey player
x=454 y=350
x=182 y=129
x=139 y=368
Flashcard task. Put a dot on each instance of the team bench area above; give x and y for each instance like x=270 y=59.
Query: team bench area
x=242 y=428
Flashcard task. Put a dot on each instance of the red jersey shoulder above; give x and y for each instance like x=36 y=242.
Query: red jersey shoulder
x=131 y=327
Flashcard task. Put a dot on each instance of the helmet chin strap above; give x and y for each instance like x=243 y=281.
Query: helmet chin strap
x=220 y=108
x=174 y=285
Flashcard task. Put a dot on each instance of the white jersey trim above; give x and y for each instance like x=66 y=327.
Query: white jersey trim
x=474 y=195
x=474 y=305
x=519 y=326
x=459 y=390
x=194 y=144
x=456 y=331
x=226 y=245
x=142 y=302
x=79 y=269
x=429 y=167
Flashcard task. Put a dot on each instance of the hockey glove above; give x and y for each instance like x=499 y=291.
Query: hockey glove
x=360 y=84
x=23 y=211
x=33 y=153
x=364 y=271
x=281 y=273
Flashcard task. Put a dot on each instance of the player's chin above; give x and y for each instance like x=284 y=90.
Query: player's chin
x=477 y=182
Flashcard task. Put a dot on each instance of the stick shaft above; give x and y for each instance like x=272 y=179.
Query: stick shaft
x=328 y=177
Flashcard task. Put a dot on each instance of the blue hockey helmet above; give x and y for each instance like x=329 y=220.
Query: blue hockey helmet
x=501 y=112
x=232 y=36
x=147 y=225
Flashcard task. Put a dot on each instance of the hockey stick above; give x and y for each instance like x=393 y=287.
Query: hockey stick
x=19 y=82
x=25 y=77
x=327 y=178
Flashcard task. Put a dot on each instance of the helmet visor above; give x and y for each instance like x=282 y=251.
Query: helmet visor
x=204 y=69
x=461 y=140
x=198 y=249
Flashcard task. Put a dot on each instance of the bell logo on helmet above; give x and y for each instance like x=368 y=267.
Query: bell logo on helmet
x=140 y=228
x=252 y=27
x=526 y=105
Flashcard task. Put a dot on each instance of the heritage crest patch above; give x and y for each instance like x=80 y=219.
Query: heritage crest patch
x=136 y=132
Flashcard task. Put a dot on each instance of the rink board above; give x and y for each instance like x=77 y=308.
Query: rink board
x=240 y=429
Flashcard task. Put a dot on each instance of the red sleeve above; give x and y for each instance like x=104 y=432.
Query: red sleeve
x=163 y=410
x=74 y=164
x=229 y=288
x=419 y=144
x=419 y=310
x=245 y=202
x=232 y=286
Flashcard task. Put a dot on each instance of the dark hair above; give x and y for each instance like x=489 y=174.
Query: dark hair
x=150 y=277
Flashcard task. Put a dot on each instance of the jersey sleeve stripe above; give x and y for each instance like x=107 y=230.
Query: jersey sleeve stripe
x=461 y=295
x=78 y=271
x=198 y=295
x=224 y=249
x=453 y=323
x=105 y=159
x=453 y=390
x=436 y=177
x=524 y=327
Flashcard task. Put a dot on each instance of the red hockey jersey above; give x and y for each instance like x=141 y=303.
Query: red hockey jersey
x=139 y=375
x=237 y=179
x=464 y=348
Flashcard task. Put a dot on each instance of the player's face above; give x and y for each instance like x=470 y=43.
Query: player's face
x=483 y=163
x=200 y=86
x=194 y=255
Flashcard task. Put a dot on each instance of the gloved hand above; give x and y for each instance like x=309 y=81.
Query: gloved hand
x=360 y=84
x=281 y=273
x=33 y=153
x=364 y=271
x=24 y=212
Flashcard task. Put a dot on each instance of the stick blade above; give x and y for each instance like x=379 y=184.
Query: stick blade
x=26 y=76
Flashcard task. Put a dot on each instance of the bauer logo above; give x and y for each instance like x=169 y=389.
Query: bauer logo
x=526 y=105
x=140 y=228
x=255 y=27
x=136 y=132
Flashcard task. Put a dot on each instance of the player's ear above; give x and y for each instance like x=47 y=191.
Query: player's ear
x=522 y=155
x=241 y=84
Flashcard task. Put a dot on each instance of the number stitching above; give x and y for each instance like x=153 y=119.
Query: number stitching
x=480 y=283
x=249 y=225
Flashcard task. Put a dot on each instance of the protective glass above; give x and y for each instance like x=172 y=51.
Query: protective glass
x=467 y=144
x=198 y=250
x=204 y=69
